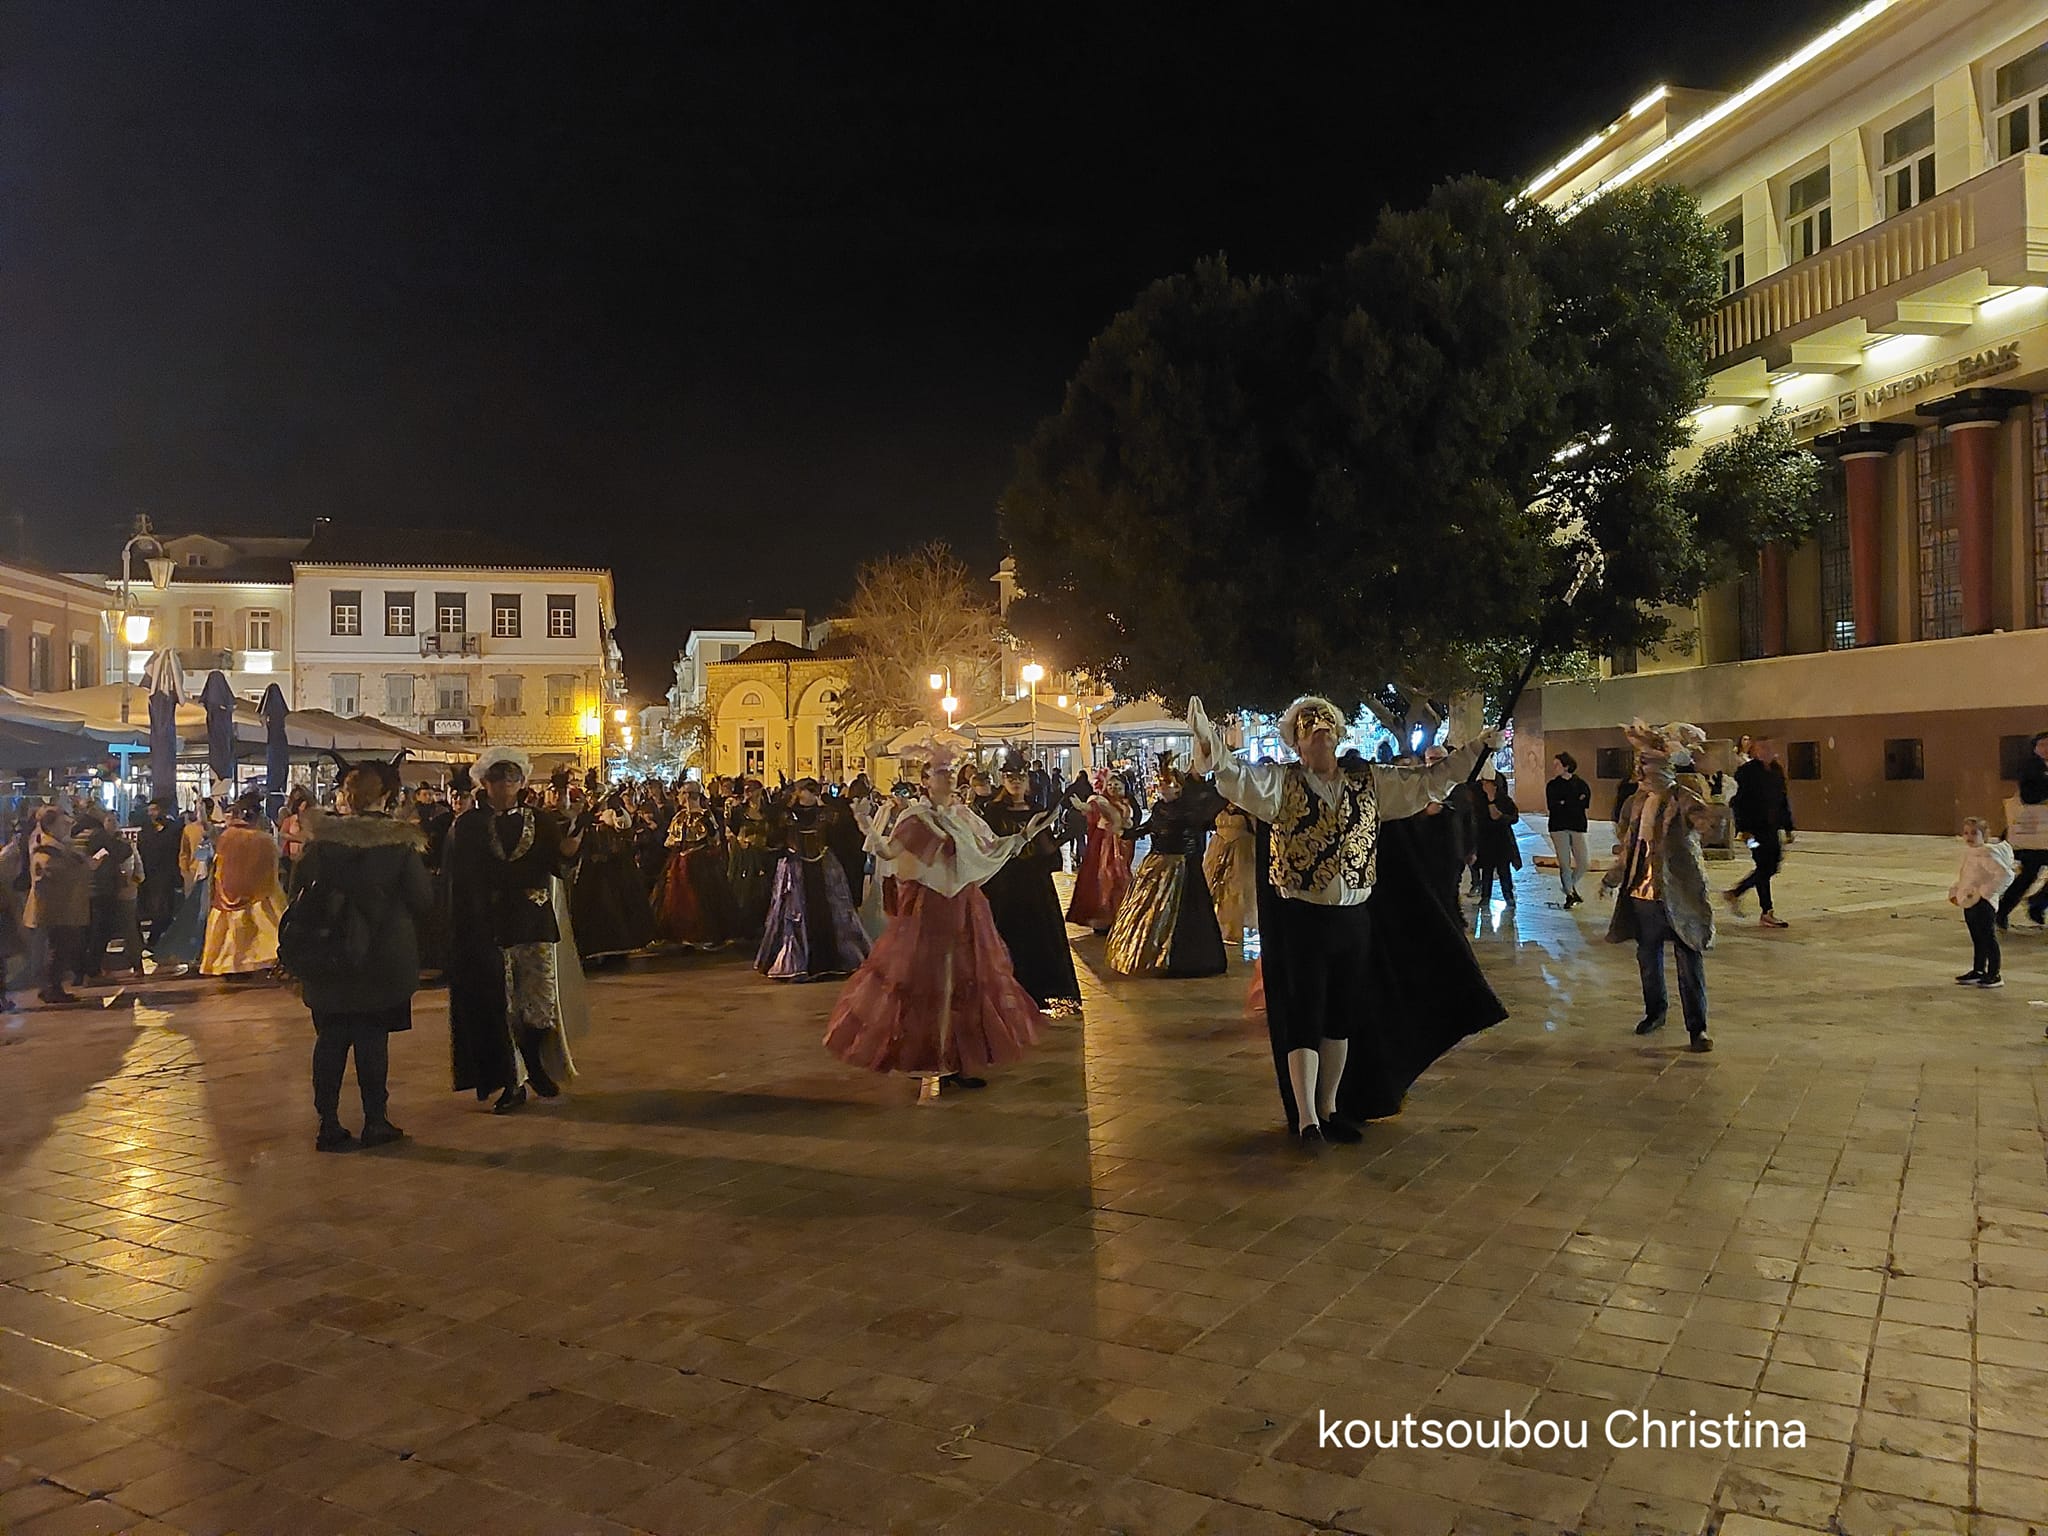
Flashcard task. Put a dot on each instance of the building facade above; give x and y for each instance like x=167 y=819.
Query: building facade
x=772 y=708
x=471 y=643
x=1882 y=199
x=228 y=609
x=53 y=630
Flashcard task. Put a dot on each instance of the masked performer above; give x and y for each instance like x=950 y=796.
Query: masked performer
x=937 y=999
x=241 y=929
x=1167 y=924
x=749 y=859
x=1335 y=971
x=812 y=931
x=513 y=983
x=1230 y=866
x=696 y=898
x=1661 y=884
x=1105 y=874
x=608 y=902
x=1021 y=896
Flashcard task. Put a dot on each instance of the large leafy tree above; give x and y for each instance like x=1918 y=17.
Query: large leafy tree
x=1391 y=478
x=913 y=615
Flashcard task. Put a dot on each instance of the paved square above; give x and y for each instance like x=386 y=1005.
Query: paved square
x=728 y=1285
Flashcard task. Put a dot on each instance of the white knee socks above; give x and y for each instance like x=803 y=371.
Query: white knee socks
x=1301 y=1076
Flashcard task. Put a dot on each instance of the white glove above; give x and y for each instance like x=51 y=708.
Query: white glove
x=1208 y=741
x=1492 y=738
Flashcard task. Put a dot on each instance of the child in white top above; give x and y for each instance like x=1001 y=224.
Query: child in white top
x=1986 y=871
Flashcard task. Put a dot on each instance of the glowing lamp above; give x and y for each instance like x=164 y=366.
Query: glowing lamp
x=949 y=704
x=1063 y=701
x=619 y=716
x=591 y=723
x=135 y=628
x=1032 y=672
x=160 y=568
x=938 y=681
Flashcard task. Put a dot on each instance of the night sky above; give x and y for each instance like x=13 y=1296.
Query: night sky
x=726 y=297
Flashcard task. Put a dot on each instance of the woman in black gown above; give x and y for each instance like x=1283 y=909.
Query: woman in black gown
x=1022 y=899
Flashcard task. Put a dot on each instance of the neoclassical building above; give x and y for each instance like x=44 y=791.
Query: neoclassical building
x=1882 y=201
x=772 y=705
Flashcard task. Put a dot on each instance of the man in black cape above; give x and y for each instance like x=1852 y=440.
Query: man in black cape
x=1355 y=946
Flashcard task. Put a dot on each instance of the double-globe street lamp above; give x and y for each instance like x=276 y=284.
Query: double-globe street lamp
x=130 y=628
x=942 y=681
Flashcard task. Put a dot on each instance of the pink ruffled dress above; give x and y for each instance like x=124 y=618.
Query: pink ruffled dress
x=936 y=994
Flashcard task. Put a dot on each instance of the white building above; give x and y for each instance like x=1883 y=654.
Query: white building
x=1882 y=198
x=705 y=647
x=228 y=609
x=464 y=639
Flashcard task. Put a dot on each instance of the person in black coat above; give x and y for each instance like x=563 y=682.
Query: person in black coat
x=1763 y=811
x=1494 y=816
x=157 y=845
x=1567 y=798
x=1022 y=900
x=374 y=858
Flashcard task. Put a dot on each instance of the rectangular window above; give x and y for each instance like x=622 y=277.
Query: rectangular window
x=451 y=695
x=505 y=615
x=727 y=651
x=754 y=749
x=81 y=664
x=561 y=615
x=258 y=630
x=348 y=693
x=1613 y=762
x=561 y=693
x=1938 y=540
x=398 y=614
x=398 y=695
x=451 y=613
x=2019 y=119
x=1809 y=219
x=506 y=691
x=1837 y=586
x=1623 y=662
x=202 y=629
x=1903 y=759
x=1802 y=760
x=1733 y=275
x=42 y=665
x=1906 y=171
x=345 y=611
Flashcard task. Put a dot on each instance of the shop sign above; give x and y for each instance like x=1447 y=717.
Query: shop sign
x=1814 y=416
x=1963 y=370
x=450 y=727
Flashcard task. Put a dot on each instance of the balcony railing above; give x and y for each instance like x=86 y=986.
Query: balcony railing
x=448 y=643
x=1997 y=221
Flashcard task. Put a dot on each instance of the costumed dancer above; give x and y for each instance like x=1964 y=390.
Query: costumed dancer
x=750 y=860
x=514 y=989
x=1105 y=875
x=1659 y=880
x=937 y=999
x=1231 y=868
x=247 y=901
x=608 y=902
x=1021 y=895
x=811 y=931
x=1167 y=924
x=696 y=897
x=844 y=836
x=1335 y=971
x=182 y=942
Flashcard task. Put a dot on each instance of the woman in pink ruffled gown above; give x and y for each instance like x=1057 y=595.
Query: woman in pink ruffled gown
x=1105 y=876
x=936 y=997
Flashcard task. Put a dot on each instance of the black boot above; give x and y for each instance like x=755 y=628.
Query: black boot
x=511 y=1099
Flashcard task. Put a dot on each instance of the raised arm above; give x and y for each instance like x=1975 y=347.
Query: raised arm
x=1404 y=791
x=1253 y=787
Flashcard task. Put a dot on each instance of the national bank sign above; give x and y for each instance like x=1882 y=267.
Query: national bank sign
x=1989 y=363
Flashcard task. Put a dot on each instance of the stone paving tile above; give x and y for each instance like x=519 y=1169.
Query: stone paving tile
x=725 y=1285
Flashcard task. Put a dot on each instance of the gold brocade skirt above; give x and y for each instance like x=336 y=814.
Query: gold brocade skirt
x=1141 y=942
x=242 y=940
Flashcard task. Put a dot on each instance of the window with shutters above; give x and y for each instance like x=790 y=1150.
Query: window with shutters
x=507 y=694
x=561 y=615
x=398 y=695
x=348 y=693
x=561 y=693
x=1734 y=273
x=398 y=613
x=42 y=664
x=202 y=629
x=451 y=612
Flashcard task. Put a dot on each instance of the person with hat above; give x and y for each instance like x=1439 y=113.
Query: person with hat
x=696 y=905
x=513 y=997
x=248 y=897
x=1021 y=897
x=937 y=998
x=608 y=904
x=812 y=930
x=1326 y=984
x=1167 y=924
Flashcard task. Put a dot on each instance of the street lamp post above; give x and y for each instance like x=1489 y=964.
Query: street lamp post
x=132 y=628
x=1031 y=674
x=943 y=680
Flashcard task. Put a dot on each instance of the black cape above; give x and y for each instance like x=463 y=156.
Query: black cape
x=1428 y=992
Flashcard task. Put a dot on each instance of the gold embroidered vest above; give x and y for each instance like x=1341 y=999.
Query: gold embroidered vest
x=1314 y=842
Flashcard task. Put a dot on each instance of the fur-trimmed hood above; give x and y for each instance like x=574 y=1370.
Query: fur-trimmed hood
x=373 y=831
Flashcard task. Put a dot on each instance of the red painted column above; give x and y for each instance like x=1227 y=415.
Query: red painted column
x=1771 y=588
x=1863 y=475
x=1972 y=443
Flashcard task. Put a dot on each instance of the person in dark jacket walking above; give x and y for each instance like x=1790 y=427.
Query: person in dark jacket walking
x=1763 y=811
x=1568 y=798
x=1494 y=814
x=157 y=844
x=2027 y=843
x=375 y=859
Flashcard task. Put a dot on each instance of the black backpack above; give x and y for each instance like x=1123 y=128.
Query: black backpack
x=323 y=935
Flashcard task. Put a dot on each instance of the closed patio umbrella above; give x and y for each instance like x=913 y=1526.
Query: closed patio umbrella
x=219 y=700
x=165 y=694
x=277 y=748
